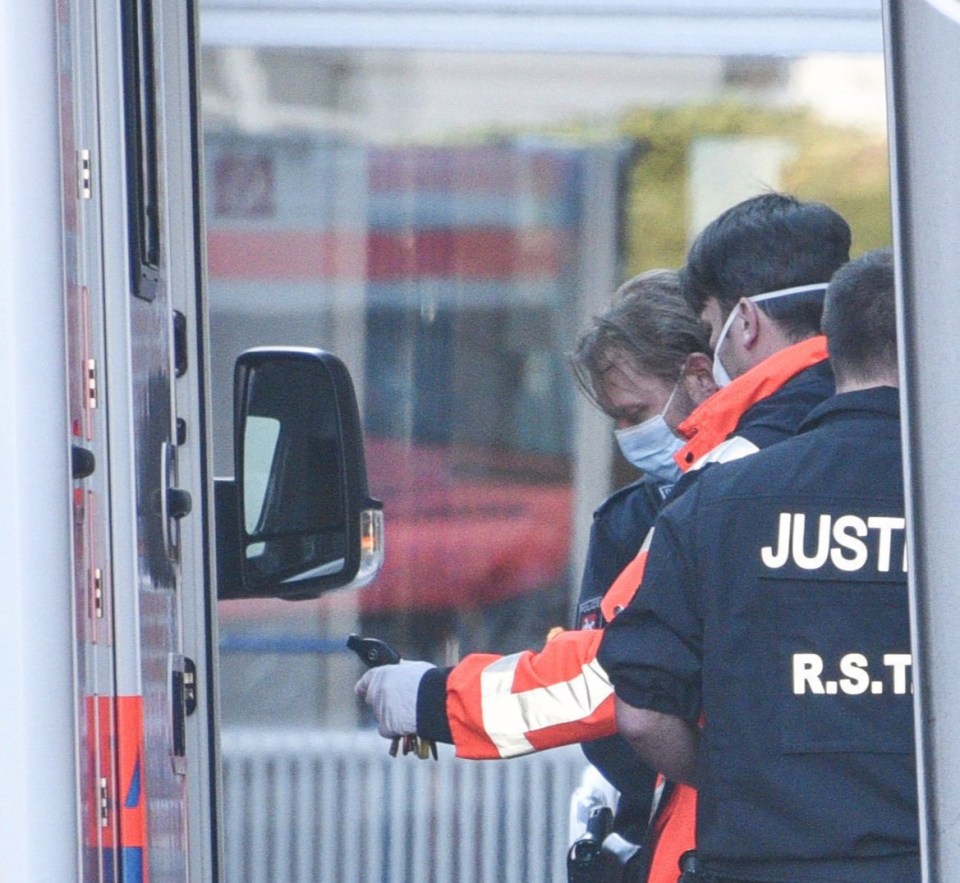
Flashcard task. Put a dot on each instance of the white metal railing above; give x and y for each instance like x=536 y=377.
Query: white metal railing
x=308 y=805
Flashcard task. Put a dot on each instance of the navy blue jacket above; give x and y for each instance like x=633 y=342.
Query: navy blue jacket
x=622 y=522
x=774 y=604
x=619 y=526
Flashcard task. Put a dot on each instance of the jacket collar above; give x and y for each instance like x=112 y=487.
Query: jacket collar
x=715 y=419
x=880 y=400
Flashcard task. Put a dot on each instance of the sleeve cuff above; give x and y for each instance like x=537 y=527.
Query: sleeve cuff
x=660 y=691
x=432 y=721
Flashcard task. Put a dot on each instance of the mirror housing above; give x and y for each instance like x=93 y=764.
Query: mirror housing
x=297 y=520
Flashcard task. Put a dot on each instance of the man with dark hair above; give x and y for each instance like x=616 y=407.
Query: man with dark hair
x=860 y=326
x=767 y=243
x=774 y=610
x=757 y=273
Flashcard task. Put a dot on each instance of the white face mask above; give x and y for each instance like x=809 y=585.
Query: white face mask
x=720 y=375
x=650 y=446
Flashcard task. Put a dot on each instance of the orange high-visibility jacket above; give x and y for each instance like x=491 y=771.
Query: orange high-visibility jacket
x=505 y=706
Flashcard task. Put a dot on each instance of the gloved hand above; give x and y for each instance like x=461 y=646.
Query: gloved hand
x=391 y=692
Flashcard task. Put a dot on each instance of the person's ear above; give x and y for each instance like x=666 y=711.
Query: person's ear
x=748 y=322
x=697 y=377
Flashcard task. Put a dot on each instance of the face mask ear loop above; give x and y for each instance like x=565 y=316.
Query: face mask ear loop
x=720 y=375
x=673 y=392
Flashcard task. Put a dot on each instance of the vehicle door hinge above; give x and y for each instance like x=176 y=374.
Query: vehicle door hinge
x=83 y=462
x=175 y=502
x=84 y=175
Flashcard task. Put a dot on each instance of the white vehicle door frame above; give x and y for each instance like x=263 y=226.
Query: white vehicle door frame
x=923 y=68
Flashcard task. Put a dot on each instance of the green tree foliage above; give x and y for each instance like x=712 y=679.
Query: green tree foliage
x=844 y=167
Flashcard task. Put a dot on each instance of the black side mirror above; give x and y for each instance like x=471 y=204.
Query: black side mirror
x=299 y=512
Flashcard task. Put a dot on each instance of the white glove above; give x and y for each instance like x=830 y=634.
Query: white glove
x=391 y=692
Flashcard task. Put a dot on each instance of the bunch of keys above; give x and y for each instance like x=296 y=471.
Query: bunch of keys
x=375 y=652
x=413 y=744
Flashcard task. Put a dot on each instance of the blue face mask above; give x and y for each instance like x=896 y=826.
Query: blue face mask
x=650 y=446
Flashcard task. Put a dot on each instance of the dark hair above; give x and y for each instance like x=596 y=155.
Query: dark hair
x=859 y=318
x=648 y=322
x=766 y=243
